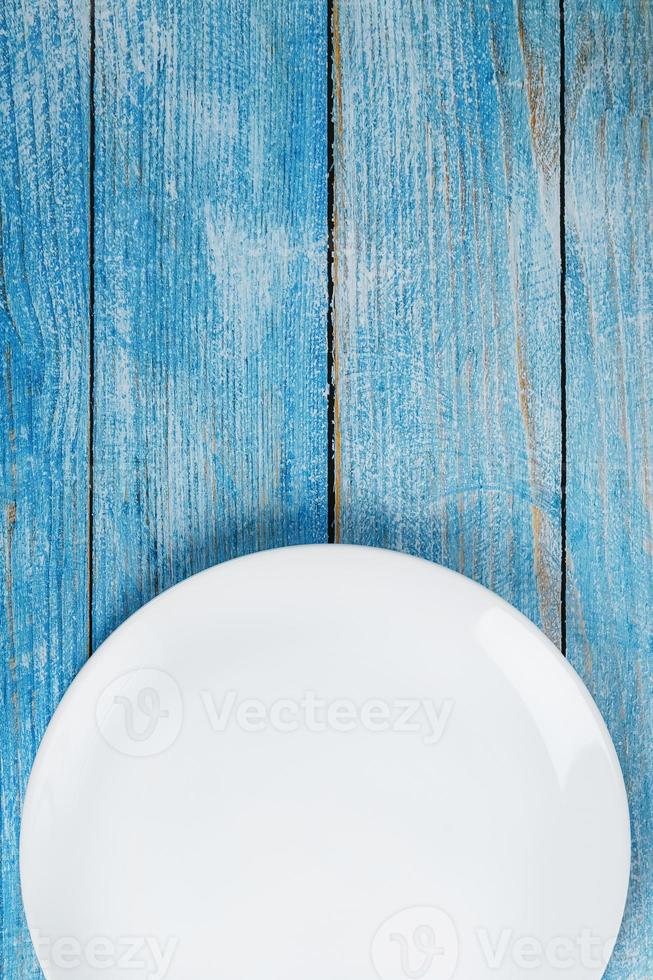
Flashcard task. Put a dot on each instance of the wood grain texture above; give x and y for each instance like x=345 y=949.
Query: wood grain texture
x=211 y=289
x=447 y=288
x=209 y=397
x=44 y=400
x=609 y=206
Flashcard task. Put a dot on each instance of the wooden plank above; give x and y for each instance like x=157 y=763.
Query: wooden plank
x=44 y=400
x=447 y=315
x=609 y=236
x=210 y=342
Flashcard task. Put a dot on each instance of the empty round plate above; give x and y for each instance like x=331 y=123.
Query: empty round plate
x=325 y=762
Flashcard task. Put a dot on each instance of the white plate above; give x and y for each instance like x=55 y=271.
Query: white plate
x=332 y=763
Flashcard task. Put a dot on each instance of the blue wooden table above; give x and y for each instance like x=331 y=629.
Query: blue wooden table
x=273 y=272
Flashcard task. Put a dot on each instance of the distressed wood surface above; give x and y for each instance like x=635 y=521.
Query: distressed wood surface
x=209 y=398
x=44 y=118
x=609 y=235
x=447 y=327
x=211 y=291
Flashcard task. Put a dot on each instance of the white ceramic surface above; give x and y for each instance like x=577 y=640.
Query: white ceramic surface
x=332 y=763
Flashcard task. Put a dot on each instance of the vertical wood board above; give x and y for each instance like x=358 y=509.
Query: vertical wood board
x=447 y=290
x=44 y=401
x=211 y=291
x=609 y=236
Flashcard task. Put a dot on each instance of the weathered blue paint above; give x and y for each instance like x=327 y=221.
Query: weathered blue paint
x=609 y=234
x=44 y=78
x=447 y=288
x=210 y=434
x=211 y=289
